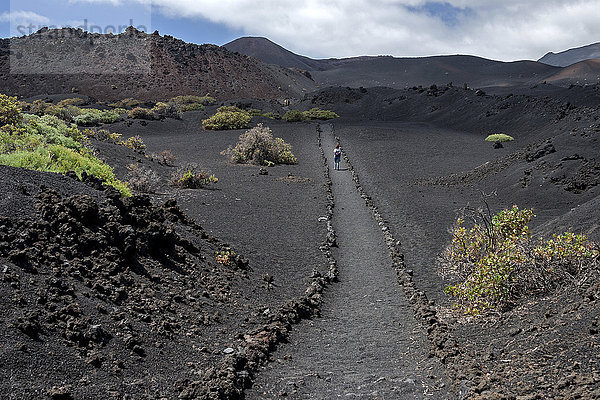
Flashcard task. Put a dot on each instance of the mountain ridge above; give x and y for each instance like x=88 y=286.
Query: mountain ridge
x=572 y=56
x=136 y=64
x=399 y=72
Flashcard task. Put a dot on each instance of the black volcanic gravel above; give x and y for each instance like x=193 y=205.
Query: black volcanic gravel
x=106 y=298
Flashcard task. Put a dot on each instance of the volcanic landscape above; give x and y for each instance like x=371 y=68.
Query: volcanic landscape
x=291 y=280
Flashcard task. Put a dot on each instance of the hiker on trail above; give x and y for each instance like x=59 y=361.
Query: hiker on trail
x=337 y=155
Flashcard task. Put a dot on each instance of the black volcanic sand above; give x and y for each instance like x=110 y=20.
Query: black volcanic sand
x=273 y=219
x=143 y=309
x=108 y=298
x=366 y=343
x=419 y=175
x=104 y=297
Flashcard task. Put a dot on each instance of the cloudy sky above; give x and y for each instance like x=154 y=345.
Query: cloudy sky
x=498 y=29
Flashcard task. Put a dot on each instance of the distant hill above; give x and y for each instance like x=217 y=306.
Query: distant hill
x=398 y=72
x=581 y=73
x=572 y=56
x=401 y=72
x=272 y=53
x=136 y=64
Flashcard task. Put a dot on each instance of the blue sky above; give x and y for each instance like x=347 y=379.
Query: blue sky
x=503 y=30
x=103 y=16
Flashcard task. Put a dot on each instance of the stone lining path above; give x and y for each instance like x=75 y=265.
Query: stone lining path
x=366 y=344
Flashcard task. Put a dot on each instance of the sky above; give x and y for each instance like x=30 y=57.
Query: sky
x=506 y=30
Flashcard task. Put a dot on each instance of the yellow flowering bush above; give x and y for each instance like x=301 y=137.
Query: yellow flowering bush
x=495 y=261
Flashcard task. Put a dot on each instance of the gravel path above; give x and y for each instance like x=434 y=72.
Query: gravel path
x=366 y=344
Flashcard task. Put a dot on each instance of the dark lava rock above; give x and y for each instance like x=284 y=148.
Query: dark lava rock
x=540 y=151
x=60 y=393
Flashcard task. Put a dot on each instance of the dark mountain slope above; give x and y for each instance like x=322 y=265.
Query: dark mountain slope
x=402 y=72
x=136 y=64
x=399 y=72
x=272 y=53
x=584 y=72
x=572 y=56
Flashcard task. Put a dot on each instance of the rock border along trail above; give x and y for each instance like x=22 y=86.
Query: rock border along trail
x=367 y=343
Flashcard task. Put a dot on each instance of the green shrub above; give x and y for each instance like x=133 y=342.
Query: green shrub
x=272 y=115
x=135 y=143
x=56 y=158
x=66 y=113
x=127 y=103
x=109 y=117
x=258 y=146
x=191 y=99
x=38 y=107
x=103 y=135
x=191 y=176
x=293 y=116
x=227 y=118
x=141 y=113
x=499 y=138
x=63 y=110
x=14 y=139
x=191 y=102
x=56 y=131
x=119 y=111
x=496 y=263
x=75 y=101
x=166 y=110
x=185 y=99
x=47 y=143
x=207 y=100
x=191 y=107
x=255 y=112
x=317 y=113
x=87 y=119
x=93 y=117
x=234 y=109
x=10 y=110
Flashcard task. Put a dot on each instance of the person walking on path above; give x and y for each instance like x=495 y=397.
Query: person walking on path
x=337 y=155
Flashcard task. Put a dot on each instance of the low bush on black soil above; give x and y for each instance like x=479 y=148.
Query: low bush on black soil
x=165 y=157
x=191 y=176
x=293 y=116
x=103 y=135
x=166 y=110
x=191 y=107
x=10 y=110
x=495 y=262
x=74 y=101
x=228 y=117
x=68 y=111
x=190 y=99
x=47 y=143
x=135 y=143
x=272 y=115
x=317 y=113
x=313 y=113
x=141 y=113
x=92 y=117
x=127 y=103
x=258 y=146
x=142 y=179
x=498 y=139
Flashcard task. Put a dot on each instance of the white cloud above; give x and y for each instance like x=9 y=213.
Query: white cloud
x=504 y=30
x=23 y=18
x=112 y=2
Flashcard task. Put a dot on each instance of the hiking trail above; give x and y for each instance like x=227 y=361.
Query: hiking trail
x=366 y=343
